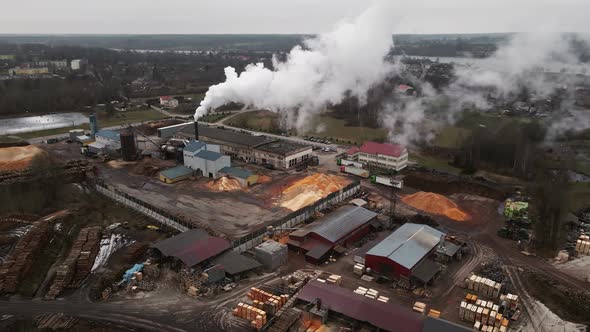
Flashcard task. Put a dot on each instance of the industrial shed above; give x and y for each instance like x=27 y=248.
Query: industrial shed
x=244 y=177
x=341 y=227
x=384 y=316
x=175 y=174
x=399 y=254
x=192 y=247
x=235 y=264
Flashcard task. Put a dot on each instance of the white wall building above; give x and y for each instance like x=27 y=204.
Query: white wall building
x=205 y=158
x=108 y=140
x=388 y=156
x=78 y=64
x=167 y=101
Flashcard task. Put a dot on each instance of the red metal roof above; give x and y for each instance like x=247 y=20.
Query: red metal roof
x=394 y=150
x=386 y=316
x=166 y=97
x=193 y=247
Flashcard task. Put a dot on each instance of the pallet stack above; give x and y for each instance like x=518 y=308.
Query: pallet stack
x=583 y=245
x=334 y=280
x=270 y=303
x=20 y=261
x=255 y=316
x=419 y=307
x=484 y=314
x=483 y=286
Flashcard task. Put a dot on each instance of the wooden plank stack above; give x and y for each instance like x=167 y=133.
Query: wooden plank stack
x=255 y=316
x=484 y=314
x=20 y=261
x=78 y=264
x=583 y=245
x=483 y=286
x=270 y=303
x=419 y=307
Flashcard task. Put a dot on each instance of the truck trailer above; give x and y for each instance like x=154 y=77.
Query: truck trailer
x=387 y=181
x=363 y=173
x=344 y=162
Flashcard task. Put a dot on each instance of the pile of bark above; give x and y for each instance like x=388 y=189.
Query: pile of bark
x=78 y=264
x=20 y=261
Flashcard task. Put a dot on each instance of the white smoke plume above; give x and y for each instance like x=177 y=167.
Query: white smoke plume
x=521 y=62
x=348 y=60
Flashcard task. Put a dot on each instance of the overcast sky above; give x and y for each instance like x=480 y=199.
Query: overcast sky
x=285 y=16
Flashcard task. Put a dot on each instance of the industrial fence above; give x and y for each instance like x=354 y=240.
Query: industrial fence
x=297 y=217
x=147 y=209
x=244 y=243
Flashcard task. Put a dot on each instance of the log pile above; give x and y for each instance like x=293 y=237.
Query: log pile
x=56 y=321
x=20 y=261
x=78 y=263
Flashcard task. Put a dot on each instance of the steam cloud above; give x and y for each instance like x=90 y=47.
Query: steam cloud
x=519 y=63
x=346 y=61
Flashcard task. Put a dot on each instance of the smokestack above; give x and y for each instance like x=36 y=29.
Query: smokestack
x=196 y=130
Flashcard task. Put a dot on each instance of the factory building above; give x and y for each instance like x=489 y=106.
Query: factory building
x=78 y=64
x=205 y=159
x=406 y=253
x=17 y=71
x=105 y=141
x=244 y=177
x=340 y=228
x=382 y=316
x=382 y=155
x=261 y=150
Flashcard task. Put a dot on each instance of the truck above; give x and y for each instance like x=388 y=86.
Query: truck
x=344 y=162
x=363 y=173
x=387 y=181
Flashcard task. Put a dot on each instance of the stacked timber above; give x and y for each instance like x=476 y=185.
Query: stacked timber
x=270 y=303
x=255 y=316
x=483 y=286
x=358 y=269
x=334 y=280
x=55 y=321
x=20 y=261
x=78 y=264
x=583 y=245
x=485 y=315
x=419 y=307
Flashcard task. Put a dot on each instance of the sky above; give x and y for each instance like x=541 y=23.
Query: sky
x=284 y=16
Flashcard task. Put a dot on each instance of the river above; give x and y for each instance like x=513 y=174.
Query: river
x=26 y=124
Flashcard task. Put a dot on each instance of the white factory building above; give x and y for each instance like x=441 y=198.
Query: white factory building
x=105 y=140
x=206 y=159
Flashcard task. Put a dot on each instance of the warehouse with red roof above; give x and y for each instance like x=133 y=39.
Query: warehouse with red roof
x=383 y=155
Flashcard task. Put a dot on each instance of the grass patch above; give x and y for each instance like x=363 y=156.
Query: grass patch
x=451 y=137
x=265 y=121
x=9 y=139
x=213 y=117
x=336 y=130
x=578 y=196
x=434 y=163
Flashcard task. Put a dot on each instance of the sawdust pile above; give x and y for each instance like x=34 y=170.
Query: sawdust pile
x=224 y=184
x=20 y=157
x=263 y=178
x=436 y=204
x=310 y=189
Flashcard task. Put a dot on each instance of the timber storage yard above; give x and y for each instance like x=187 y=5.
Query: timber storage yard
x=175 y=226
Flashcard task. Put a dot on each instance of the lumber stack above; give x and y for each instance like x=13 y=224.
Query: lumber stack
x=269 y=302
x=78 y=264
x=255 y=316
x=583 y=245
x=20 y=261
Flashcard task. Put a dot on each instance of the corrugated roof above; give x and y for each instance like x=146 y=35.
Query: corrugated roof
x=208 y=155
x=387 y=149
x=318 y=250
x=206 y=132
x=386 y=316
x=339 y=223
x=282 y=147
x=234 y=263
x=176 y=172
x=193 y=246
x=237 y=172
x=426 y=270
x=193 y=146
x=408 y=244
x=110 y=134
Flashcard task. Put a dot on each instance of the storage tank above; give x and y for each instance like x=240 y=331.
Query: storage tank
x=93 y=124
x=128 y=148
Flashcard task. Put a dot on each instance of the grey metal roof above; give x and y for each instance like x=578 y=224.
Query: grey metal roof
x=341 y=222
x=177 y=171
x=234 y=263
x=237 y=172
x=224 y=135
x=282 y=147
x=426 y=270
x=194 y=146
x=208 y=155
x=110 y=134
x=408 y=244
x=192 y=247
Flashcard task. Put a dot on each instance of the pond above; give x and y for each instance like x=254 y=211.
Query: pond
x=41 y=122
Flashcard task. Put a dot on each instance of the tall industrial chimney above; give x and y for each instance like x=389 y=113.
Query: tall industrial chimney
x=196 y=130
